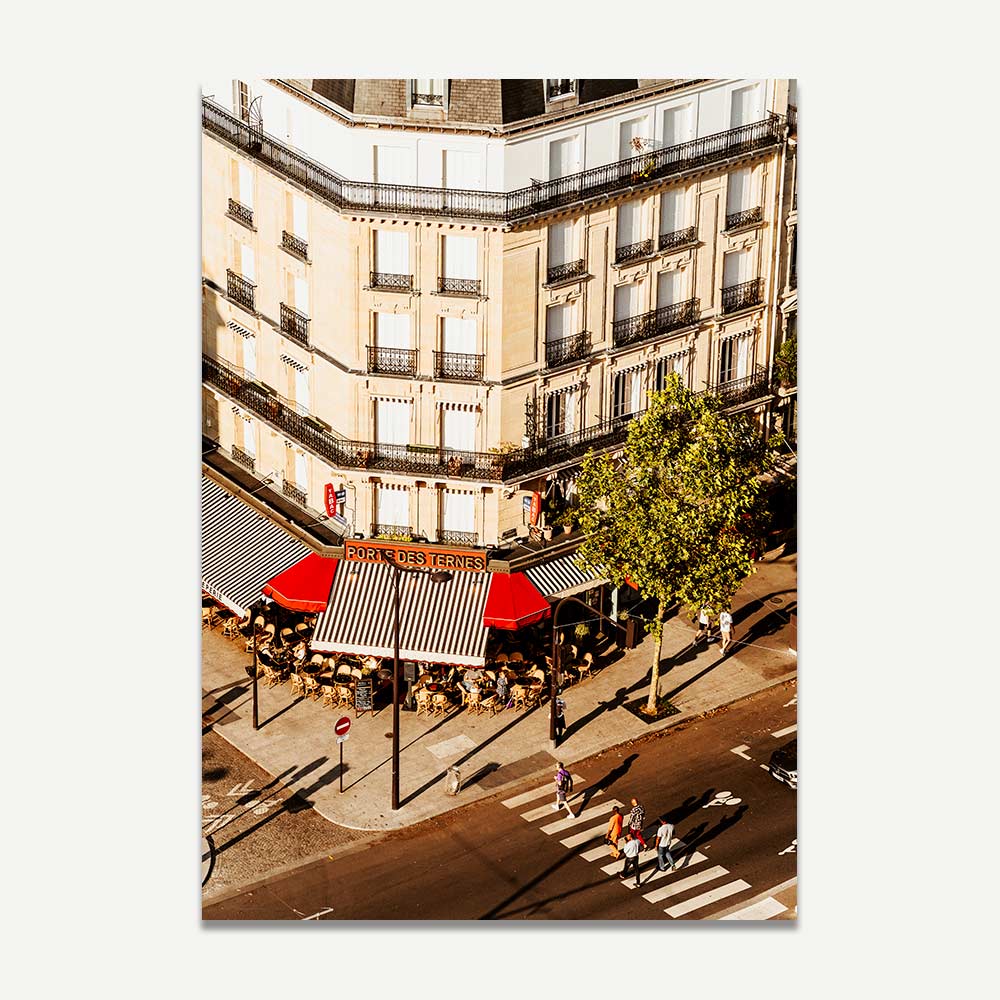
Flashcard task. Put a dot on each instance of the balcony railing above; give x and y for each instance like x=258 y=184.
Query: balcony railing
x=240 y=291
x=391 y=282
x=654 y=323
x=244 y=458
x=430 y=100
x=292 y=491
x=742 y=296
x=509 y=206
x=562 y=272
x=741 y=390
x=678 y=238
x=295 y=246
x=464 y=367
x=567 y=349
x=392 y=361
x=294 y=324
x=459 y=286
x=397 y=530
x=635 y=251
x=240 y=213
x=734 y=220
x=459 y=537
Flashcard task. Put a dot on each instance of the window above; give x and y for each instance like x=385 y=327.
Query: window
x=564 y=157
x=392 y=422
x=460 y=270
x=678 y=363
x=738 y=193
x=561 y=248
x=394 y=165
x=458 y=426
x=246 y=349
x=734 y=358
x=670 y=288
x=560 y=412
x=629 y=224
x=242 y=178
x=427 y=93
x=241 y=100
x=246 y=262
x=392 y=330
x=678 y=125
x=554 y=89
x=745 y=107
x=299 y=473
x=298 y=217
x=462 y=169
x=458 y=517
x=458 y=336
x=249 y=437
x=626 y=301
x=392 y=508
x=392 y=252
x=297 y=293
x=674 y=224
x=736 y=268
x=558 y=322
x=630 y=134
x=626 y=394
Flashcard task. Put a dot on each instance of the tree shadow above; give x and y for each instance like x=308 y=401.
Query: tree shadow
x=743 y=612
x=604 y=783
x=620 y=697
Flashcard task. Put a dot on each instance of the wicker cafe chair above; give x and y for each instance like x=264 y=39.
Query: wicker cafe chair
x=298 y=684
x=440 y=703
x=585 y=665
x=490 y=705
x=345 y=696
x=517 y=656
x=271 y=676
x=208 y=617
x=423 y=697
x=231 y=627
x=330 y=697
x=532 y=695
x=311 y=687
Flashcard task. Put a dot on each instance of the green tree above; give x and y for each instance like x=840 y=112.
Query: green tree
x=786 y=361
x=680 y=511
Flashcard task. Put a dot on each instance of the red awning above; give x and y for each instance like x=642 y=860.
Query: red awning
x=304 y=586
x=513 y=602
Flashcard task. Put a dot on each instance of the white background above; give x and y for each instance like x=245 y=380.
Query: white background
x=898 y=385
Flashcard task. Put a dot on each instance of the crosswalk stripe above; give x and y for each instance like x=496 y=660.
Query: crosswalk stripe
x=616 y=866
x=784 y=732
x=597 y=852
x=581 y=838
x=763 y=910
x=536 y=793
x=586 y=816
x=708 y=897
x=685 y=883
x=532 y=814
x=683 y=864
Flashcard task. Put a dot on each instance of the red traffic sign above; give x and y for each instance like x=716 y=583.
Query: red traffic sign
x=342 y=725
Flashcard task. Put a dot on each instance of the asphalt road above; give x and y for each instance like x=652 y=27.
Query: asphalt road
x=501 y=860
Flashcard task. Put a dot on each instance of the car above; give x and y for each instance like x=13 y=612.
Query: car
x=784 y=764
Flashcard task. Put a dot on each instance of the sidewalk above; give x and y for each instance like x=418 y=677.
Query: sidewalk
x=296 y=743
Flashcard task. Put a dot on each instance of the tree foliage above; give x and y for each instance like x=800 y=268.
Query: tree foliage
x=680 y=511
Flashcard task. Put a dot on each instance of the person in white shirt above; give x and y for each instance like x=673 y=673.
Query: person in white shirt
x=631 y=858
x=664 y=835
x=704 y=625
x=725 y=630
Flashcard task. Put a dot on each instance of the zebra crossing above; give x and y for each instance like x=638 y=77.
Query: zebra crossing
x=692 y=885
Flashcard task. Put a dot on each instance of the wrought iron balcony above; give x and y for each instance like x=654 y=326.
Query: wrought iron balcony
x=392 y=361
x=734 y=220
x=294 y=324
x=793 y=119
x=562 y=272
x=635 y=251
x=244 y=458
x=743 y=296
x=463 y=367
x=390 y=282
x=575 y=347
x=396 y=530
x=742 y=390
x=460 y=286
x=654 y=323
x=240 y=291
x=500 y=206
x=459 y=537
x=430 y=100
x=293 y=492
x=295 y=246
x=678 y=238
x=240 y=213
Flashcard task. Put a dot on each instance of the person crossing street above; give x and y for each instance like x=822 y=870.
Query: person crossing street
x=631 y=858
x=664 y=835
x=564 y=785
x=636 y=819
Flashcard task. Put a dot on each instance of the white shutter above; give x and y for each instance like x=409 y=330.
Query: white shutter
x=629 y=223
x=743 y=357
x=733 y=267
x=560 y=244
x=626 y=301
x=249 y=438
x=300 y=224
x=250 y=356
x=557 y=323
x=458 y=336
x=627 y=131
x=248 y=267
x=635 y=391
x=745 y=106
x=459 y=512
x=669 y=288
x=678 y=125
x=245 y=194
x=301 y=480
x=392 y=421
x=672 y=215
x=564 y=158
x=745 y=264
x=392 y=330
x=302 y=296
x=462 y=169
x=393 y=506
x=394 y=165
x=392 y=252
x=302 y=389
x=459 y=429
x=738 y=194
x=460 y=257
x=570 y=403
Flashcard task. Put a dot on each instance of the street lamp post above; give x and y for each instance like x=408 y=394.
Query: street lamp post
x=554 y=679
x=440 y=576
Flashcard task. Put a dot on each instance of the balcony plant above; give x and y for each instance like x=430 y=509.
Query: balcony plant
x=786 y=363
x=500 y=453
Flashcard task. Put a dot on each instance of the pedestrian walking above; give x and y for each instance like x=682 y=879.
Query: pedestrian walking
x=664 y=835
x=503 y=689
x=704 y=625
x=614 y=833
x=560 y=718
x=636 y=820
x=725 y=630
x=631 y=858
x=564 y=785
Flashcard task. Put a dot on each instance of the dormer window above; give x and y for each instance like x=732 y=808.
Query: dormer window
x=427 y=93
x=557 y=89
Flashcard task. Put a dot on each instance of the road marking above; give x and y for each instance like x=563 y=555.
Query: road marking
x=584 y=817
x=536 y=793
x=683 y=864
x=763 y=910
x=793 y=848
x=451 y=748
x=775 y=890
x=239 y=790
x=532 y=814
x=739 y=751
x=794 y=701
x=723 y=799
x=582 y=838
x=682 y=885
x=319 y=913
x=709 y=897
x=784 y=732
x=604 y=851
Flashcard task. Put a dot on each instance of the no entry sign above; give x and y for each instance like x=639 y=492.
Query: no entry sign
x=342 y=725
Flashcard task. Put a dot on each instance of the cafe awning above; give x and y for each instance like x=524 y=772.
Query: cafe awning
x=304 y=586
x=438 y=622
x=563 y=577
x=241 y=549
x=513 y=602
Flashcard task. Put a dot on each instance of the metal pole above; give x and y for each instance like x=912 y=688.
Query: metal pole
x=254 y=631
x=396 y=573
x=341 y=767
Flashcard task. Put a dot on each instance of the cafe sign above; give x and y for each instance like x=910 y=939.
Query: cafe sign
x=430 y=557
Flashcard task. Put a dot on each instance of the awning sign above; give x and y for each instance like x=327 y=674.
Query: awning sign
x=417 y=556
x=330 y=499
x=536 y=509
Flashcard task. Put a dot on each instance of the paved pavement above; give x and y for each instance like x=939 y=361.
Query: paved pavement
x=296 y=742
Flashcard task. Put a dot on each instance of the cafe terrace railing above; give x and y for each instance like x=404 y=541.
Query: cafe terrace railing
x=498 y=206
x=653 y=323
x=433 y=460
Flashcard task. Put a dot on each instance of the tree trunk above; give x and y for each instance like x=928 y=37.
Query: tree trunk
x=654 y=680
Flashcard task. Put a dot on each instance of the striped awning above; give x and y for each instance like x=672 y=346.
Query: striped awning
x=241 y=549
x=563 y=577
x=438 y=622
